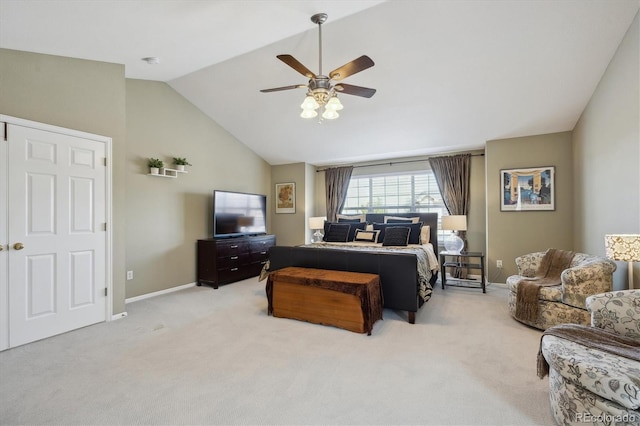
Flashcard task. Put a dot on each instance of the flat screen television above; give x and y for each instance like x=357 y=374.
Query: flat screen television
x=237 y=214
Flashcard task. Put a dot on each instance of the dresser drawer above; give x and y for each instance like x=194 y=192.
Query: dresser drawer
x=231 y=248
x=259 y=256
x=233 y=260
x=261 y=244
x=229 y=275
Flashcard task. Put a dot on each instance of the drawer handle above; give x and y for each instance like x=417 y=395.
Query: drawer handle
x=263 y=252
x=234 y=269
x=234 y=257
x=234 y=246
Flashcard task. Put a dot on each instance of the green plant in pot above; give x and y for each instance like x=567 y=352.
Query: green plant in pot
x=180 y=163
x=155 y=165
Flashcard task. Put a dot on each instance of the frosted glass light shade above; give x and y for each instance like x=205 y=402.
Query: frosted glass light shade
x=308 y=113
x=330 y=114
x=310 y=103
x=334 y=104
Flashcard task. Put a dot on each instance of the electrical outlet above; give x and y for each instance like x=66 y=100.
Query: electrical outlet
x=499 y=264
x=129 y=275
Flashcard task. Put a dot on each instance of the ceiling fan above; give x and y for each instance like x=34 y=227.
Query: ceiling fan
x=321 y=89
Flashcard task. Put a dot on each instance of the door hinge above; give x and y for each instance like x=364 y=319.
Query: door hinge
x=105 y=291
x=6 y=131
x=105 y=161
x=104 y=226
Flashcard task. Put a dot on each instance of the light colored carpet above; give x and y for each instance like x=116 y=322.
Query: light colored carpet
x=204 y=356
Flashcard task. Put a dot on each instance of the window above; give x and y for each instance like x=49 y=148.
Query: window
x=397 y=193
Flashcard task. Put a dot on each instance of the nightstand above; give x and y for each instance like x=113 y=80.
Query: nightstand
x=465 y=260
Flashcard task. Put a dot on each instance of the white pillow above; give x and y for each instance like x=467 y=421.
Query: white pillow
x=405 y=219
x=360 y=217
x=425 y=234
x=368 y=236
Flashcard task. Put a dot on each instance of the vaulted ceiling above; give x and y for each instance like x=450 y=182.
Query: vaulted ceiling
x=449 y=75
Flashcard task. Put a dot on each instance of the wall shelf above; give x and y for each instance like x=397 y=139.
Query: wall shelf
x=168 y=173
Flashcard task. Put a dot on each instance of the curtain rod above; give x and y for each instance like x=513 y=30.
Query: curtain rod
x=398 y=162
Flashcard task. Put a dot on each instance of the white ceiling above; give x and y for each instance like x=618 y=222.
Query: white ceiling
x=449 y=75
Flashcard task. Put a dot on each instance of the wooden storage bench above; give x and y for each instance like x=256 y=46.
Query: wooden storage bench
x=349 y=300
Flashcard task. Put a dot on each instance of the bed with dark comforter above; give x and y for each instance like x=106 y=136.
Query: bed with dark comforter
x=407 y=274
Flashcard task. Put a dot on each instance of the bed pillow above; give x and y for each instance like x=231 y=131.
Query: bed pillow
x=381 y=227
x=396 y=236
x=337 y=233
x=355 y=227
x=397 y=219
x=416 y=231
x=350 y=218
x=364 y=235
x=425 y=234
x=414 y=228
x=352 y=230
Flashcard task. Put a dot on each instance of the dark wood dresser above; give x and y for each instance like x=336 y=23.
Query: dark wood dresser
x=227 y=260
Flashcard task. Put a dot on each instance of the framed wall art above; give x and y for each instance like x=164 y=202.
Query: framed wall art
x=286 y=197
x=530 y=189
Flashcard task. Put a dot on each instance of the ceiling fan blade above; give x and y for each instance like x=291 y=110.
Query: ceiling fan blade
x=277 y=89
x=296 y=65
x=357 y=65
x=350 y=89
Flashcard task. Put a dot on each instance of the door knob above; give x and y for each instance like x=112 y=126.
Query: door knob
x=18 y=246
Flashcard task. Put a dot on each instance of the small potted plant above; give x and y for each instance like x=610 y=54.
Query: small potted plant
x=155 y=165
x=180 y=163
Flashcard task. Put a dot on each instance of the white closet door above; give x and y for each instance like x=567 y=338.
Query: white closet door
x=4 y=256
x=56 y=233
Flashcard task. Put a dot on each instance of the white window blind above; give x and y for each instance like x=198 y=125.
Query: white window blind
x=397 y=193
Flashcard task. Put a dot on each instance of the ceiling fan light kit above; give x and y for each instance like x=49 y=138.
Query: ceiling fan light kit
x=321 y=92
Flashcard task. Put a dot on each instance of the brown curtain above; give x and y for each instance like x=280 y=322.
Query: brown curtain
x=336 y=182
x=453 y=176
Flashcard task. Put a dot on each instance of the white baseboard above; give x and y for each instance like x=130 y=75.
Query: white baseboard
x=158 y=293
x=118 y=316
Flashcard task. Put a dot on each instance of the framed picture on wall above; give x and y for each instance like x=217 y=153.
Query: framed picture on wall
x=530 y=189
x=286 y=197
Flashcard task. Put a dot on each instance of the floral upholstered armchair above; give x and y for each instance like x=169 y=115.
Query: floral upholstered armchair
x=590 y=384
x=563 y=303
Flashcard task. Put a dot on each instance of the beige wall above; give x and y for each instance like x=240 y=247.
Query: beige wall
x=511 y=234
x=76 y=94
x=165 y=217
x=606 y=145
x=291 y=228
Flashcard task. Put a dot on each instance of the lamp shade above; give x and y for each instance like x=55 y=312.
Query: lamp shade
x=624 y=247
x=454 y=223
x=316 y=222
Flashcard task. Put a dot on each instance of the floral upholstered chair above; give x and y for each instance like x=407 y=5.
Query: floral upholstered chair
x=564 y=303
x=588 y=385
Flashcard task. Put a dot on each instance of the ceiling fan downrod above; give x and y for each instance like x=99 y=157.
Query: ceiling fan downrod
x=319 y=18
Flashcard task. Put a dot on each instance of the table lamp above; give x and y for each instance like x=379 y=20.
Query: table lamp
x=454 y=223
x=624 y=247
x=317 y=223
